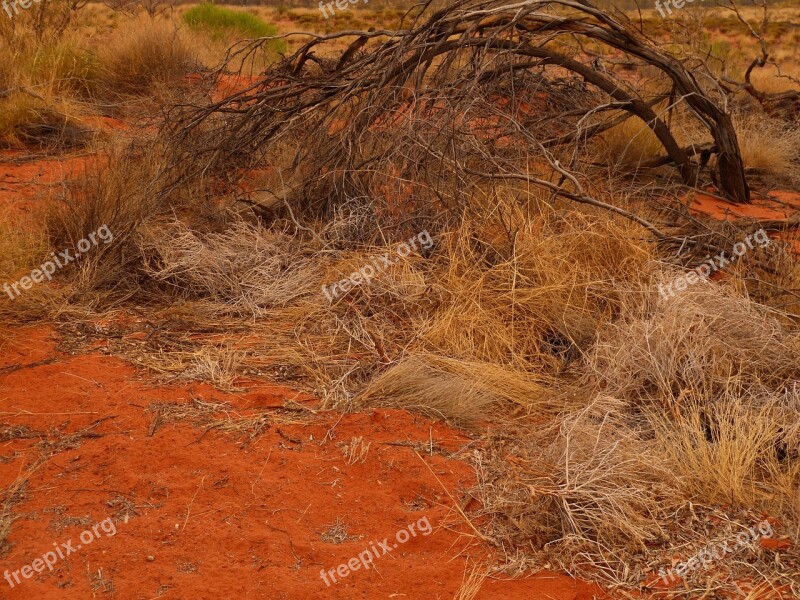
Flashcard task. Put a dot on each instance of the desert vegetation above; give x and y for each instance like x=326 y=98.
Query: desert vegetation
x=568 y=161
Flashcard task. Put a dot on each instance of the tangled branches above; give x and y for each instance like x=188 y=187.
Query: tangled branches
x=476 y=92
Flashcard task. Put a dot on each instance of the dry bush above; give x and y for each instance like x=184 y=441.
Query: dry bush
x=740 y=449
x=245 y=269
x=445 y=124
x=506 y=312
x=691 y=345
x=142 y=55
x=585 y=489
x=769 y=147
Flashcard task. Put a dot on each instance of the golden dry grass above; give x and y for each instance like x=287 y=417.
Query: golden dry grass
x=146 y=53
x=769 y=146
x=630 y=143
x=739 y=448
x=23 y=244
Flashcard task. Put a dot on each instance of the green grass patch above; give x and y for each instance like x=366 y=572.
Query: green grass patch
x=224 y=23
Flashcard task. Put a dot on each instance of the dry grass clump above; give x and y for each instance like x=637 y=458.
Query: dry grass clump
x=535 y=299
x=22 y=245
x=246 y=269
x=120 y=191
x=463 y=393
x=142 y=55
x=691 y=345
x=44 y=84
x=32 y=121
x=770 y=80
x=586 y=489
x=630 y=143
x=773 y=281
x=741 y=449
x=66 y=68
x=84 y=71
x=769 y=147
x=220 y=367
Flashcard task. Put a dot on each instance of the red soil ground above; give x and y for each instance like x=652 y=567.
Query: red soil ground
x=778 y=205
x=222 y=514
x=25 y=183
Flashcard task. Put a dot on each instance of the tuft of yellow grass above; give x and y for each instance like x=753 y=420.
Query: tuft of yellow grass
x=739 y=448
x=464 y=393
x=23 y=247
x=31 y=120
x=141 y=55
x=768 y=146
x=537 y=300
x=630 y=143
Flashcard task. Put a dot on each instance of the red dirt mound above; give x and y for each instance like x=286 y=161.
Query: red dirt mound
x=110 y=495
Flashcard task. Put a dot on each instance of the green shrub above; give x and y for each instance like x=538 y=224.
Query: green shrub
x=225 y=23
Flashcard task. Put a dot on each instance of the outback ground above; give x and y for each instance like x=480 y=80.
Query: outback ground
x=467 y=299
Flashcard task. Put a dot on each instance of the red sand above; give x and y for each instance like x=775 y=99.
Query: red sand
x=23 y=184
x=221 y=515
x=778 y=205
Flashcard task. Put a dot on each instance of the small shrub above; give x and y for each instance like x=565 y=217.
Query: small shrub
x=224 y=23
x=145 y=54
x=27 y=121
x=68 y=66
